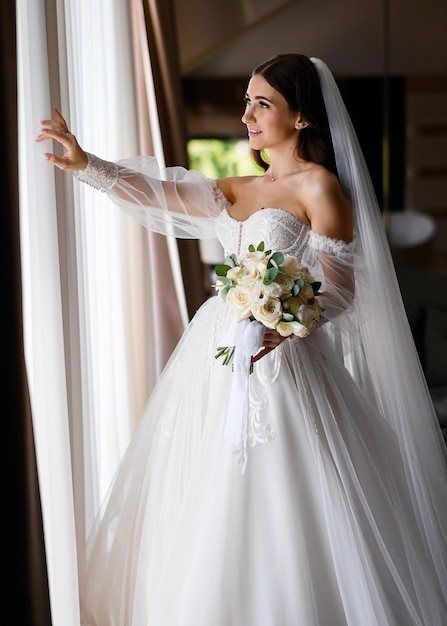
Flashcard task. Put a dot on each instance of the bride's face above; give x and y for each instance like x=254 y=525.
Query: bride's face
x=269 y=121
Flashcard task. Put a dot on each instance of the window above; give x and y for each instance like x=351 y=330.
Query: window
x=218 y=158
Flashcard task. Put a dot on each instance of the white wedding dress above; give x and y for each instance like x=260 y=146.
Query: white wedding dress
x=317 y=531
x=332 y=511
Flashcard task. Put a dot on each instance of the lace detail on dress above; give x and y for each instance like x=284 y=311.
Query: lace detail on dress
x=219 y=315
x=99 y=174
x=329 y=244
x=219 y=196
x=277 y=228
x=258 y=431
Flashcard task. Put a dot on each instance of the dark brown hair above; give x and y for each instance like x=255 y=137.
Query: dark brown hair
x=295 y=77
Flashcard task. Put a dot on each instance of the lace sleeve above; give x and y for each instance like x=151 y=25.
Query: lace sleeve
x=99 y=174
x=334 y=263
x=329 y=244
x=171 y=201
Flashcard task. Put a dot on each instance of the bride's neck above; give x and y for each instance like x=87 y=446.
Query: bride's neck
x=280 y=168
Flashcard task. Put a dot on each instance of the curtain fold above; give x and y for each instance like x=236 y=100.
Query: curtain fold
x=167 y=301
x=42 y=317
x=163 y=49
x=25 y=591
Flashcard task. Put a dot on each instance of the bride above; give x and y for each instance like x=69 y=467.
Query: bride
x=319 y=497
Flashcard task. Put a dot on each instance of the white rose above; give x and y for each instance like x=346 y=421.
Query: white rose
x=286 y=283
x=235 y=273
x=294 y=269
x=240 y=298
x=306 y=294
x=269 y=313
x=248 y=277
x=292 y=304
x=261 y=267
x=251 y=259
x=309 y=315
x=250 y=270
x=262 y=293
x=285 y=329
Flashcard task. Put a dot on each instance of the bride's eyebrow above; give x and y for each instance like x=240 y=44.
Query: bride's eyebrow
x=258 y=98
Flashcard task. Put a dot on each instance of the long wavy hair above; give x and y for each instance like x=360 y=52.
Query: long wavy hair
x=295 y=77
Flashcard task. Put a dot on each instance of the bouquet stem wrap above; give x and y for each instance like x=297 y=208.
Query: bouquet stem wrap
x=247 y=337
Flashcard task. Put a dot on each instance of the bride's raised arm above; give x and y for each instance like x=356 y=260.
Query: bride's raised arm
x=172 y=201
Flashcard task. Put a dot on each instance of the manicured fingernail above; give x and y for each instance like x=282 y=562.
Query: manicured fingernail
x=44 y=156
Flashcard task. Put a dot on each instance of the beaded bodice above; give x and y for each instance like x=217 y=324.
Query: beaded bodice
x=277 y=228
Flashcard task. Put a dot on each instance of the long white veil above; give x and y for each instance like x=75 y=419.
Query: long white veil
x=385 y=362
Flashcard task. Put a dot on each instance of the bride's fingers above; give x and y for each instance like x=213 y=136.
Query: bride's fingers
x=57 y=124
x=68 y=162
x=58 y=115
x=261 y=353
x=272 y=339
x=74 y=158
x=62 y=137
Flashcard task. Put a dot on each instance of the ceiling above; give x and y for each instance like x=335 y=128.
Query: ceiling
x=228 y=38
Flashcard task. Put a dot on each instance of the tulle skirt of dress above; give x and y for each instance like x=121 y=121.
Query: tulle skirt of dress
x=318 y=530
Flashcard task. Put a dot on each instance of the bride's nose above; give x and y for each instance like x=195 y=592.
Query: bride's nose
x=248 y=115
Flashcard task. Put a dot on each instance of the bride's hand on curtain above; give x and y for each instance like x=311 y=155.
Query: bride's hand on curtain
x=74 y=157
x=272 y=339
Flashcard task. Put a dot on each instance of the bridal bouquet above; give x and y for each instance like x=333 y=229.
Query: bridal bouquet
x=272 y=288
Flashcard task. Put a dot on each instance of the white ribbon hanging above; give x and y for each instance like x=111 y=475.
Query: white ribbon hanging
x=247 y=337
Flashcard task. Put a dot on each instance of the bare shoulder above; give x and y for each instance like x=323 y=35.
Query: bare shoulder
x=232 y=185
x=328 y=210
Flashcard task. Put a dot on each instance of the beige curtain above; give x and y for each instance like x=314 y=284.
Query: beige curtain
x=165 y=301
x=25 y=590
x=163 y=48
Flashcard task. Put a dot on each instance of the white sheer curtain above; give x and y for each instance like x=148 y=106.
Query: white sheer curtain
x=43 y=328
x=87 y=330
x=101 y=112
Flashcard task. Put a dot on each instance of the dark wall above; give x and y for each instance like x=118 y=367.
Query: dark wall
x=364 y=99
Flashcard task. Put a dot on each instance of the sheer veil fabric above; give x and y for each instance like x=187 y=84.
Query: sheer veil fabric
x=339 y=518
x=388 y=365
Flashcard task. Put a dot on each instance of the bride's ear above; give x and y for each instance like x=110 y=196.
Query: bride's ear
x=300 y=122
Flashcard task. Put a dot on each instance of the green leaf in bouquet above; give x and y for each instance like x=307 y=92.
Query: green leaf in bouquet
x=225 y=281
x=225 y=290
x=316 y=286
x=277 y=257
x=261 y=247
x=231 y=260
x=298 y=285
x=221 y=270
x=270 y=275
x=251 y=248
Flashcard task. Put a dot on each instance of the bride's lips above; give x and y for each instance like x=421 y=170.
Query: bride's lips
x=252 y=132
